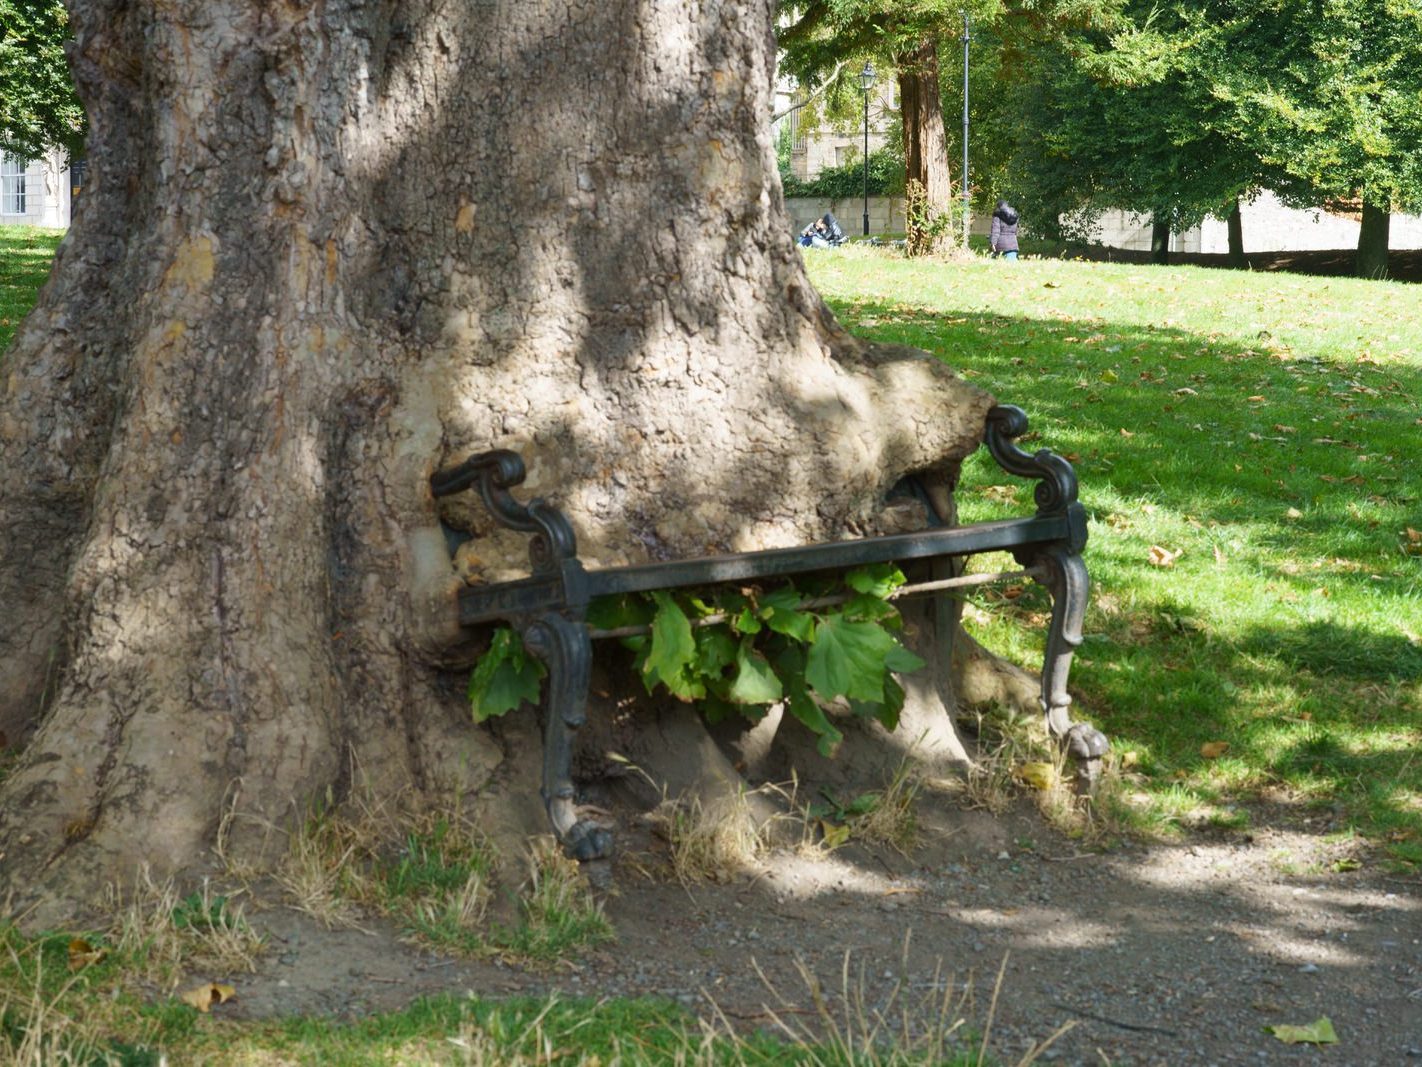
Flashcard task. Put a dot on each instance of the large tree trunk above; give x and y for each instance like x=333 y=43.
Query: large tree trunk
x=929 y=186
x=1373 y=240
x=324 y=250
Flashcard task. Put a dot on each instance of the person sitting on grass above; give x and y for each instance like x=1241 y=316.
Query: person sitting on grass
x=824 y=232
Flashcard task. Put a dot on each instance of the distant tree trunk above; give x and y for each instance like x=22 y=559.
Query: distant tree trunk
x=1159 y=242
x=1236 y=236
x=324 y=250
x=925 y=150
x=1373 y=240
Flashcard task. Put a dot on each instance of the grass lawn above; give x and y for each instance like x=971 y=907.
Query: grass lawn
x=1246 y=445
x=25 y=256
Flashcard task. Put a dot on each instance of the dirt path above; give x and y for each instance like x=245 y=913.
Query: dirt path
x=1161 y=955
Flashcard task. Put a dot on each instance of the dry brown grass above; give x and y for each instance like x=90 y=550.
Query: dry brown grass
x=166 y=935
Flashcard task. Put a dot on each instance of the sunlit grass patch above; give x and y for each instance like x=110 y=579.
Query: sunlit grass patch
x=1242 y=442
x=25 y=256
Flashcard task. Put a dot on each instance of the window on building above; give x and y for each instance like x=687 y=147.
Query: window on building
x=12 y=184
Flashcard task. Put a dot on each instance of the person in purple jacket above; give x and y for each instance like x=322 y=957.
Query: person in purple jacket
x=1002 y=239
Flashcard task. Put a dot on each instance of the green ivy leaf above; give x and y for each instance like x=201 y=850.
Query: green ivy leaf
x=877 y=579
x=715 y=650
x=756 y=682
x=715 y=710
x=893 y=706
x=615 y=612
x=505 y=676
x=673 y=646
x=847 y=659
x=790 y=665
x=780 y=611
x=868 y=608
x=901 y=661
x=746 y=622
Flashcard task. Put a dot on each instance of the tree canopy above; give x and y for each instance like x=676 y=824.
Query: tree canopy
x=1177 y=111
x=38 y=107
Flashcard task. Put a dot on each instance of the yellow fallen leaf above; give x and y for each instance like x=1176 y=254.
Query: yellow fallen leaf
x=1038 y=774
x=1294 y=513
x=834 y=834
x=1160 y=556
x=82 y=954
x=1214 y=749
x=1318 y=1032
x=203 y=997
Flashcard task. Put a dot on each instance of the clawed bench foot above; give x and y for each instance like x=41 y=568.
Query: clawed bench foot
x=549 y=607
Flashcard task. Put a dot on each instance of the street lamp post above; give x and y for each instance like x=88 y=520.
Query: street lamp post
x=866 y=82
x=966 y=194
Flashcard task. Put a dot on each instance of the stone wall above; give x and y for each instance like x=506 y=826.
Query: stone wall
x=1269 y=226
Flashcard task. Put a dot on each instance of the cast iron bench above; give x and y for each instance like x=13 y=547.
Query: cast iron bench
x=549 y=607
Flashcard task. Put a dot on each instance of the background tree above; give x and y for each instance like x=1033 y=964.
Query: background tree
x=1181 y=112
x=1120 y=112
x=327 y=250
x=38 y=108
x=814 y=41
x=1328 y=96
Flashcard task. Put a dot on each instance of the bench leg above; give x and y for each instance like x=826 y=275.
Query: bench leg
x=565 y=649
x=1065 y=578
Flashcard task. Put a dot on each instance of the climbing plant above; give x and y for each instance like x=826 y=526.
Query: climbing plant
x=738 y=650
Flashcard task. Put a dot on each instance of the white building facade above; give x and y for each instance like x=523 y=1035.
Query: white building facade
x=36 y=192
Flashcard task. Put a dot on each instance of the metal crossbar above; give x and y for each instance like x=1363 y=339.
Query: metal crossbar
x=549 y=607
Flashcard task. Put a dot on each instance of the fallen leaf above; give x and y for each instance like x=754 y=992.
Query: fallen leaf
x=1293 y=513
x=1162 y=557
x=834 y=834
x=82 y=954
x=203 y=997
x=1255 y=399
x=1038 y=774
x=1346 y=864
x=1185 y=390
x=1127 y=433
x=1214 y=749
x=1318 y=1032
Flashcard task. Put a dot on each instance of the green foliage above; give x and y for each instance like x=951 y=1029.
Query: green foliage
x=38 y=108
x=1177 y=111
x=740 y=650
x=886 y=178
x=505 y=676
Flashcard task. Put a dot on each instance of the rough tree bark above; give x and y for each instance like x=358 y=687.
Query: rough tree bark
x=925 y=149
x=323 y=250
